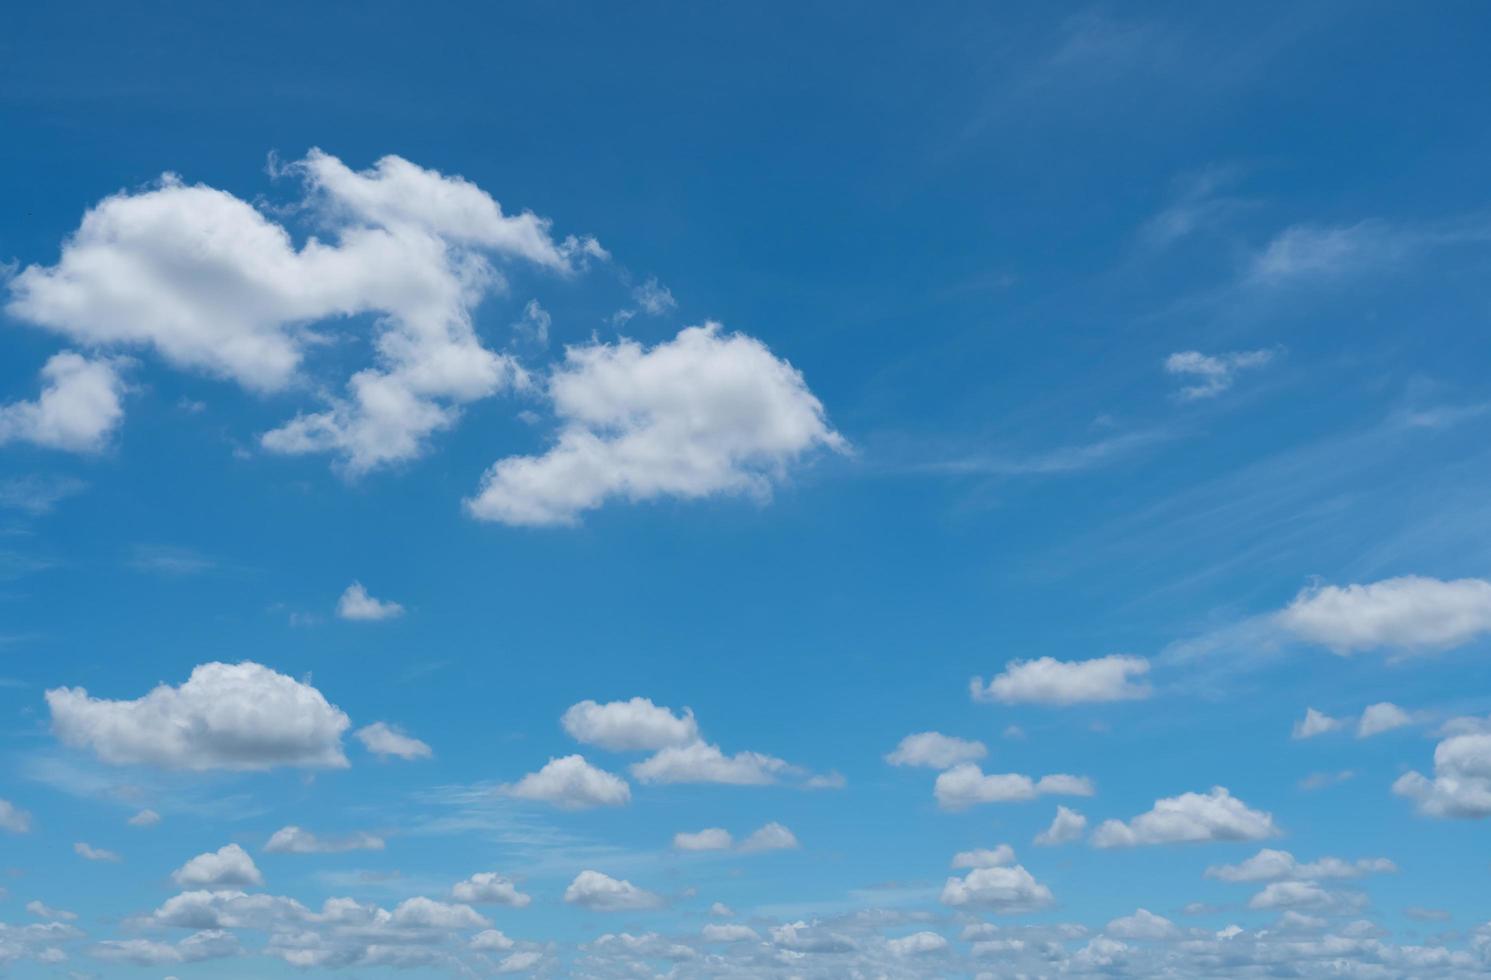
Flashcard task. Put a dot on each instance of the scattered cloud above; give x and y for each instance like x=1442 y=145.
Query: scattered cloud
x=966 y=785
x=1461 y=785
x=571 y=783
x=13 y=818
x=1067 y=826
x=1212 y=374
x=489 y=888
x=1272 y=865
x=600 y=892
x=1189 y=818
x=1411 y=614
x=227 y=867
x=78 y=409
x=709 y=839
x=1316 y=723
x=1047 y=680
x=934 y=750
x=625 y=726
x=356 y=604
x=383 y=740
x=295 y=840
x=770 y=837
x=90 y=853
x=1009 y=889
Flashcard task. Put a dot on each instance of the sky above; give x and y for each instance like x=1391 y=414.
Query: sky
x=773 y=490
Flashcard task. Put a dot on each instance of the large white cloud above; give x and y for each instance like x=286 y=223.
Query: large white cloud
x=1411 y=613
x=571 y=783
x=706 y=413
x=225 y=716
x=1047 y=680
x=1461 y=785
x=634 y=725
x=79 y=406
x=594 y=890
x=935 y=751
x=227 y=867
x=1189 y=818
x=213 y=285
x=965 y=785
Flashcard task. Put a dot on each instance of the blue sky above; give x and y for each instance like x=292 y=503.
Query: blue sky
x=713 y=491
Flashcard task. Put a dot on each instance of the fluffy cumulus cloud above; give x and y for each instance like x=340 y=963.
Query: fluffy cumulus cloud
x=1047 y=680
x=385 y=741
x=1411 y=614
x=1003 y=889
x=297 y=840
x=357 y=605
x=625 y=726
x=1212 y=374
x=489 y=888
x=571 y=783
x=935 y=751
x=225 y=716
x=80 y=405
x=227 y=867
x=213 y=285
x=1189 y=818
x=706 y=413
x=965 y=785
x=1067 y=826
x=594 y=890
x=1273 y=865
x=1461 y=784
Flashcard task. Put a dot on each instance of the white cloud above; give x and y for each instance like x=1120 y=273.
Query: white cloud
x=700 y=762
x=1303 y=252
x=635 y=725
x=1050 y=681
x=935 y=751
x=90 y=853
x=996 y=857
x=653 y=298
x=384 y=740
x=13 y=818
x=1411 y=613
x=703 y=414
x=571 y=783
x=594 y=890
x=1293 y=895
x=1067 y=826
x=1382 y=717
x=1273 y=865
x=489 y=888
x=1213 y=373
x=1461 y=786
x=1316 y=723
x=227 y=867
x=717 y=932
x=917 y=944
x=967 y=784
x=1143 y=925
x=79 y=406
x=145 y=818
x=213 y=285
x=709 y=839
x=225 y=716
x=1188 y=818
x=44 y=911
x=356 y=604
x=296 y=840
x=770 y=837
x=1004 y=889
x=490 y=939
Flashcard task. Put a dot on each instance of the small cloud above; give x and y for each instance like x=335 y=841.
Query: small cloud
x=91 y=853
x=383 y=740
x=1212 y=373
x=165 y=560
x=145 y=818
x=356 y=604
